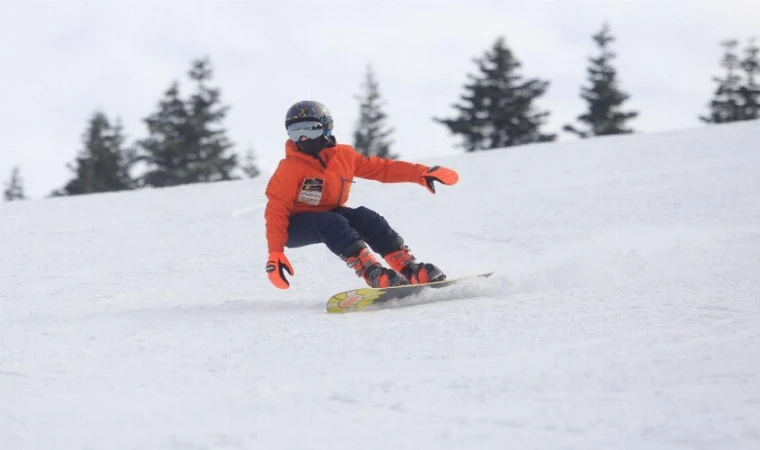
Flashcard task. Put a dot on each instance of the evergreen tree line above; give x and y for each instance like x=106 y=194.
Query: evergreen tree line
x=737 y=96
x=187 y=143
x=497 y=109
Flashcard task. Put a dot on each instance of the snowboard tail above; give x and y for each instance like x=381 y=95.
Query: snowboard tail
x=376 y=298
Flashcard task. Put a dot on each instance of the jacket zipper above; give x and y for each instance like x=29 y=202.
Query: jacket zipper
x=342 y=183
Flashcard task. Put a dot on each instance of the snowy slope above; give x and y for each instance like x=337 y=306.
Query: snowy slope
x=626 y=312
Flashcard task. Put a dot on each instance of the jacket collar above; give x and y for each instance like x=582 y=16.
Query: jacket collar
x=291 y=151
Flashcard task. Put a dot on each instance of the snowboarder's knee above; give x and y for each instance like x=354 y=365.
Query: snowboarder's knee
x=331 y=220
x=366 y=212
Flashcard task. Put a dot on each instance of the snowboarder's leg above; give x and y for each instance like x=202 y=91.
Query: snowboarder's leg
x=372 y=227
x=376 y=231
x=335 y=231
x=326 y=227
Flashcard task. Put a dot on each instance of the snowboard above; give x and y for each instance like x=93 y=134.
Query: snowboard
x=377 y=298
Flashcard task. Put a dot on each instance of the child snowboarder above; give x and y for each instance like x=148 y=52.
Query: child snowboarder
x=307 y=196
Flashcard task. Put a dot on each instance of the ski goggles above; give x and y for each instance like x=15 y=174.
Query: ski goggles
x=308 y=130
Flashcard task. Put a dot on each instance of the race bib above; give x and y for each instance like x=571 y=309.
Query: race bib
x=311 y=191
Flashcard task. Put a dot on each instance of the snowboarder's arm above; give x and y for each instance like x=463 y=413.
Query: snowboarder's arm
x=387 y=170
x=281 y=193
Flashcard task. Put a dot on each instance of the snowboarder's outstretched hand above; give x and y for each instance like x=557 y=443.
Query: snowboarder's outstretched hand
x=439 y=174
x=277 y=264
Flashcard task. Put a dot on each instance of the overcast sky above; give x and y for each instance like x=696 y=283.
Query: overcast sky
x=62 y=60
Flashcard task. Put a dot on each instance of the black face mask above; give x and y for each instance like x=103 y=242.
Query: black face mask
x=314 y=146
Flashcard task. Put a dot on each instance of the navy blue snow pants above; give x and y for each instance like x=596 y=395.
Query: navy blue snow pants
x=339 y=227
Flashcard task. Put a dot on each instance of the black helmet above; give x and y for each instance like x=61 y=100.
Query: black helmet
x=308 y=119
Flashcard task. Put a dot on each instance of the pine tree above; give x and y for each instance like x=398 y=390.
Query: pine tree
x=749 y=92
x=14 y=188
x=603 y=96
x=186 y=142
x=249 y=167
x=371 y=137
x=497 y=109
x=726 y=103
x=164 y=151
x=104 y=163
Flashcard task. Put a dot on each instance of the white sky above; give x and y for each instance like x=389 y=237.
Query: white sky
x=63 y=60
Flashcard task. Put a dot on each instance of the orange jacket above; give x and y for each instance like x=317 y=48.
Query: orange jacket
x=302 y=183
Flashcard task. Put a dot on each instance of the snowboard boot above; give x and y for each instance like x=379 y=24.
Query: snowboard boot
x=367 y=267
x=406 y=264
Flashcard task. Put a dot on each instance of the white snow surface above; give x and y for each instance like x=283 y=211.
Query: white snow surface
x=624 y=314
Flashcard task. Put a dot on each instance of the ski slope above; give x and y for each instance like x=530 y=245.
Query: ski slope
x=625 y=313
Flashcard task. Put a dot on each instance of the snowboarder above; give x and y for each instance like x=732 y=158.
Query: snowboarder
x=307 y=196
